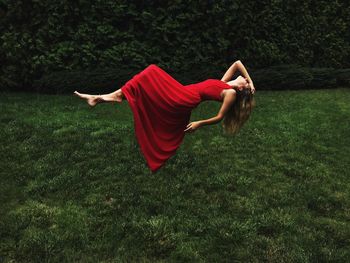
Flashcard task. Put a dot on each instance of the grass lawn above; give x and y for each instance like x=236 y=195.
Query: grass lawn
x=75 y=188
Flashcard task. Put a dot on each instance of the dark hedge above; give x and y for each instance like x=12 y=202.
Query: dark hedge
x=272 y=78
x=186 y=37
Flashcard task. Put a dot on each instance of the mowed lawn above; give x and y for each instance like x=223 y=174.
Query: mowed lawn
x=75 y=187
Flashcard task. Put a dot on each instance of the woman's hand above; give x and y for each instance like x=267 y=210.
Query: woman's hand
x=252 y=88
x=192 y=126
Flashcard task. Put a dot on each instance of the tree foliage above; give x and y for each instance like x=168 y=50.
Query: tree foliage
x=40 y=37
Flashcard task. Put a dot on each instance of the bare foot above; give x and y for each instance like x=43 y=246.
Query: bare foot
x=92 y=100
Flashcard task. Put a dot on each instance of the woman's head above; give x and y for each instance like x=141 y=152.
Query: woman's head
x=241 y=83
x=241 y=109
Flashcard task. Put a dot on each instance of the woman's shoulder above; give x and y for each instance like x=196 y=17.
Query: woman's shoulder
x=230 y=92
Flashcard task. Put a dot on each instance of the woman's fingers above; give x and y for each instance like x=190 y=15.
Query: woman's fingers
x=189 y=126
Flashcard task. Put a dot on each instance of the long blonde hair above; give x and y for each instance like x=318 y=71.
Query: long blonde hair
x=239 y=112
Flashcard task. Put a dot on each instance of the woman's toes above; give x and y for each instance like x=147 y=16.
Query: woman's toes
x=78 y=94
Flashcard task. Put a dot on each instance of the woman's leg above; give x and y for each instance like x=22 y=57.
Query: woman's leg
x=92 y=100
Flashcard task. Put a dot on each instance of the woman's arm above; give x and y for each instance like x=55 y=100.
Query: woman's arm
x=229 y=98
x=231 y=71
x=244 y=72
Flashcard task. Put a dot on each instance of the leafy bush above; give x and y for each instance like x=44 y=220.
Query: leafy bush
x=271 y=78
x=298 y=77
x=40 y=37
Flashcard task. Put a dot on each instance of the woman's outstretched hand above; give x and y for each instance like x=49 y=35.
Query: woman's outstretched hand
x=192 y=126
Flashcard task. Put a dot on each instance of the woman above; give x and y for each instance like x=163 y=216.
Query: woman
x=162 y=107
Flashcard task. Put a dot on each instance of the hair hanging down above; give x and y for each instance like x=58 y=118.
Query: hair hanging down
x=239 y=112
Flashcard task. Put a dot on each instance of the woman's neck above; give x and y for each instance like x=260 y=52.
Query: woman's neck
x=232 y=83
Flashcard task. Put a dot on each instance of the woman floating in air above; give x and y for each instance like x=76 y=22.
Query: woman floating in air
x=162 y=107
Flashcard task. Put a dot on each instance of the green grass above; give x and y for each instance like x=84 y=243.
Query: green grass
x=75 y=188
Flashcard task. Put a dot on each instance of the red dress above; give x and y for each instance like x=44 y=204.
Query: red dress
x=162 y=107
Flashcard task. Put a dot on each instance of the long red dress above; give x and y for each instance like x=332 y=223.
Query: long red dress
x=162 y=107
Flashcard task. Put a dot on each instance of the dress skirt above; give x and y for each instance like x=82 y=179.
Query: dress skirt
x=161 y=108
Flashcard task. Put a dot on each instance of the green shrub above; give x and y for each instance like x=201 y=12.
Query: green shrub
x=297 y=77
x=40 y=37
x=271 y=78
